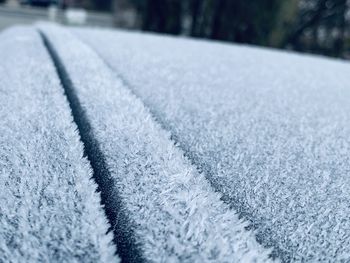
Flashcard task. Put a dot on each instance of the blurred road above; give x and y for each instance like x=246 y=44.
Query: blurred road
x=12 y=15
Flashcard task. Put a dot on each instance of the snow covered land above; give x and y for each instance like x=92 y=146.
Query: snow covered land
x=145 y=148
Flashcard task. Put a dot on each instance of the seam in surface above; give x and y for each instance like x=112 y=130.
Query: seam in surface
x=124 y=238
x=276 y=253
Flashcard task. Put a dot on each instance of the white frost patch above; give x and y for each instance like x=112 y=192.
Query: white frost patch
x=49 y=210
x=271 y=130
x=176 y=215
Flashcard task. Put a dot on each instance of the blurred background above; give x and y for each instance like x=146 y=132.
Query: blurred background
x=312 y=26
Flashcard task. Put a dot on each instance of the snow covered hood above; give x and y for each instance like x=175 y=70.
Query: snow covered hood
x=144 y=148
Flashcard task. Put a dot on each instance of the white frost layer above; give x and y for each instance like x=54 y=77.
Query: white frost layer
x=271 y=130
x=176 y=215
x=49 y=210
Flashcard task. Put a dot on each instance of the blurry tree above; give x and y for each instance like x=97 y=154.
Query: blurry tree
x=102 y=5
x=97 y=5
x=285 y=22
x=126 y=13
x=322 y=27
x=239 y=21
x=163 y=16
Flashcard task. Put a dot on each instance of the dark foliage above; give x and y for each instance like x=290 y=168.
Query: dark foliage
x=318 y=26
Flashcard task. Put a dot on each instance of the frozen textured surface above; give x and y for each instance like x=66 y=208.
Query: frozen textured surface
x=270 y=130
x=49 y=210
x=175 y=214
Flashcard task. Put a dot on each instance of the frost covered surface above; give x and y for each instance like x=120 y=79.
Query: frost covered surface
x=49 y=210
x=271 y=131
x=175 y=214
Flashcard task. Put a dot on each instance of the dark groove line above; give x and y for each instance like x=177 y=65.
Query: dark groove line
x=124 y=238
x=262 y=237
